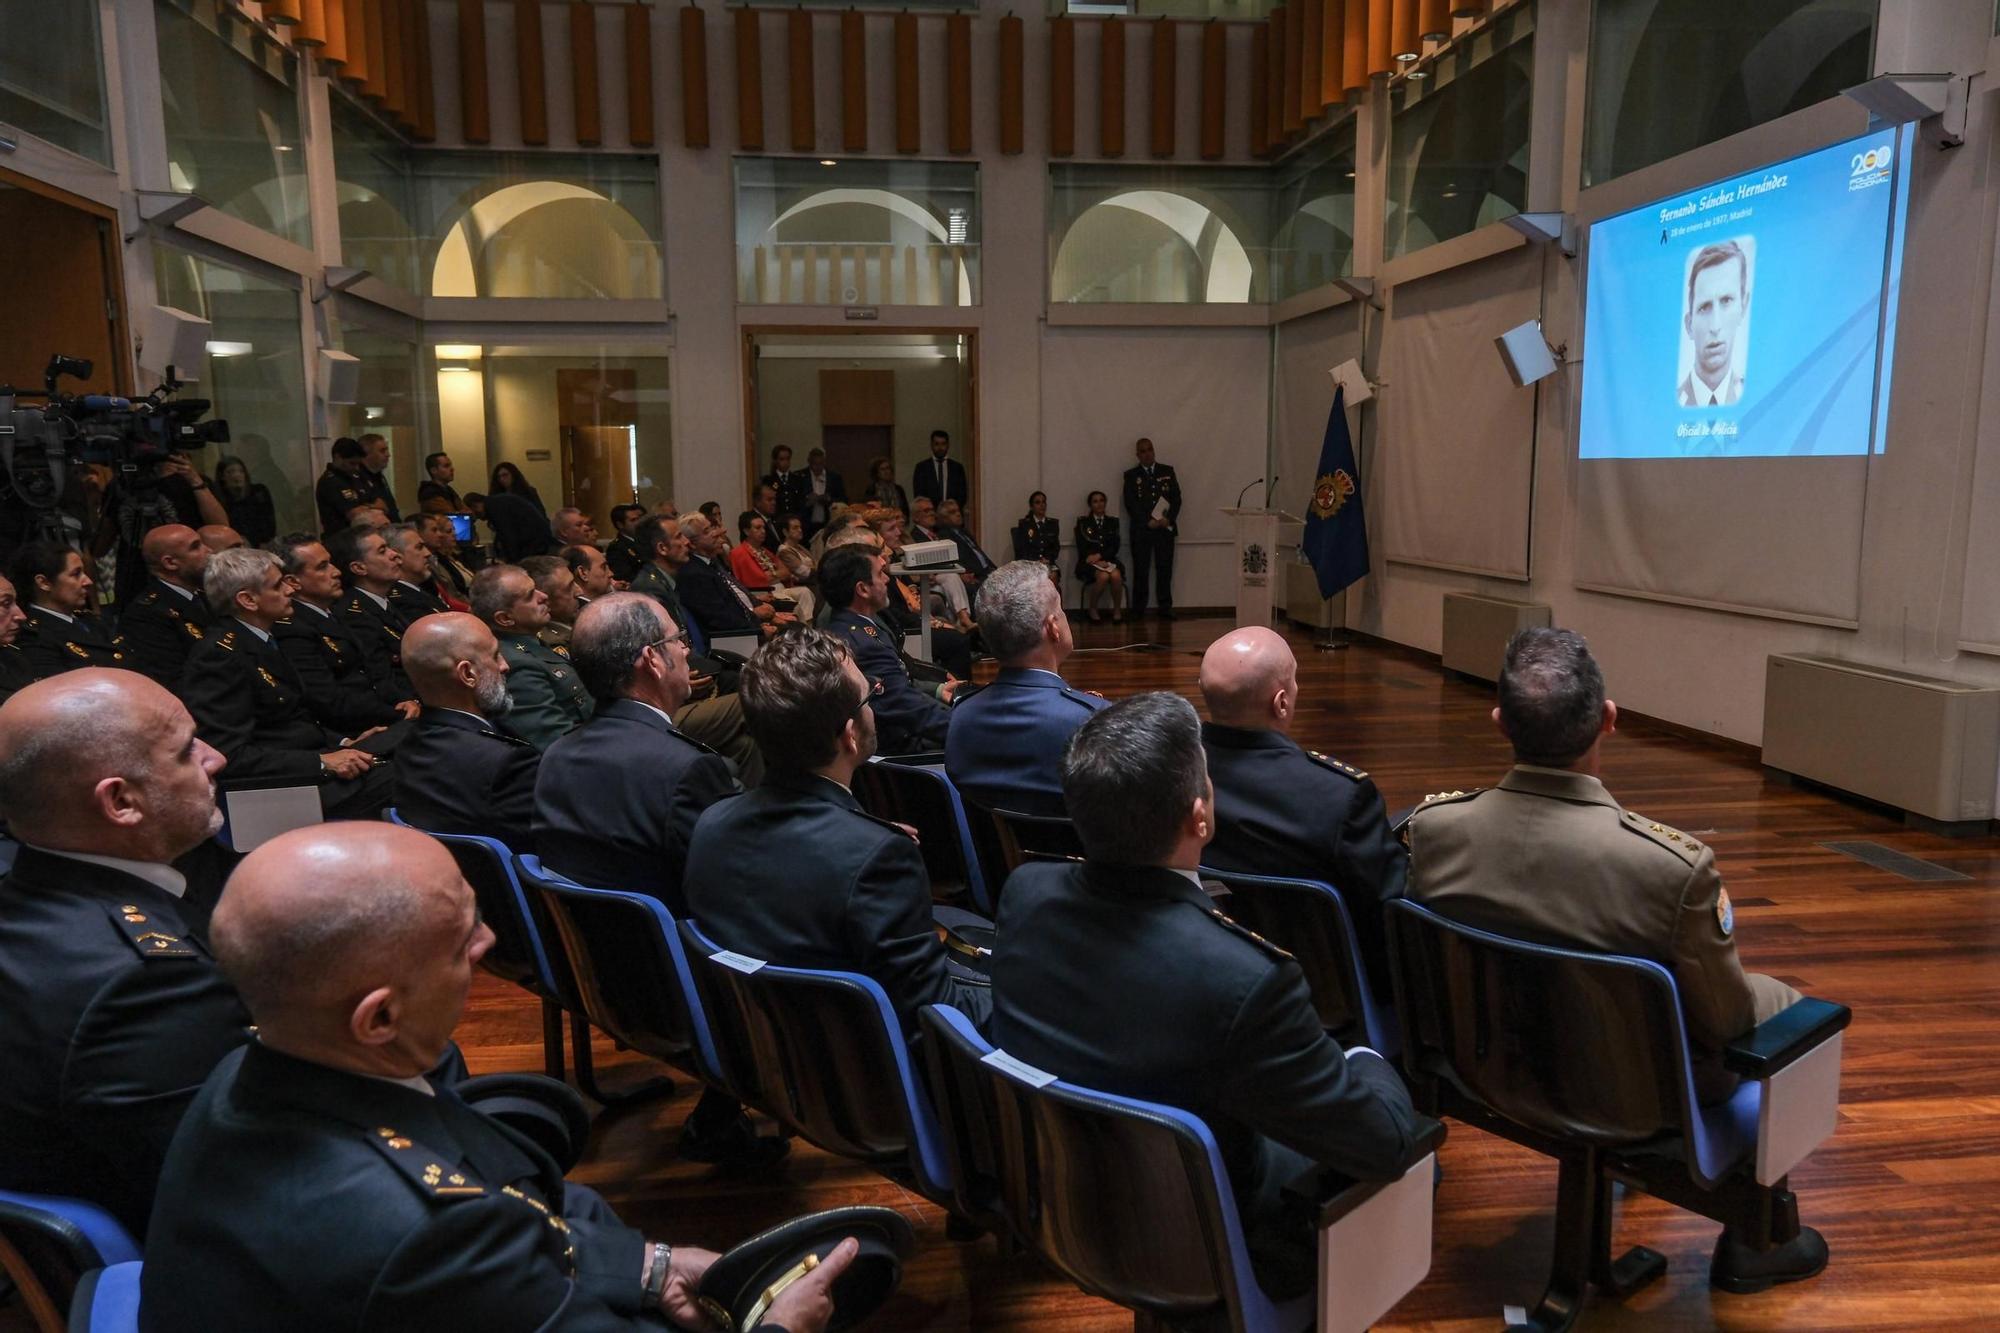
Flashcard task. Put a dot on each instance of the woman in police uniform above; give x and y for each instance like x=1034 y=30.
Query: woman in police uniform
x=1039 y=537
x=1097 y=563
x=59 y=596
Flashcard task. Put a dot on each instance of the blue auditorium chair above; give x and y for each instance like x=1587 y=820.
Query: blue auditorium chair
x=107 y=1300
x=49 y=1242
x=1584 y=1057
x=921 y=796
x=1131 y=1201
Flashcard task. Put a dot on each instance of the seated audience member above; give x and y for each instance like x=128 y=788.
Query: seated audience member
x=624 y=553
x=369 y=570
x=15 y=673
x=594 y=578
x=337 y=674
x=554 y=581
x=793 y=553
x=905 y=610
x=1281 y=810
x=923 y=519
x=866 y=905
x=751 y=559
x=951 y=527
x=221 y=537
x=440 y=474
x=519 y=527
x=321 y=1181
x=712 y=594
x=572 y=527
x=1549 y=855
x=248 y=703
x=458 y=771
x=451 y=577
x=854 y=581
x=63 y=630
x=1039 y=537
x=413 y=595
x=618 y=797
x=168 y=618
x=1119 y=974
x=1004 y=749
x=115 y=1010
x=549 y=699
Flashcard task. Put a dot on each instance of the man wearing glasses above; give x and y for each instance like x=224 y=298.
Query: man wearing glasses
x=616 y=801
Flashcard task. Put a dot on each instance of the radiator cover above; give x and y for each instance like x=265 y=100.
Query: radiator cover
x=1476 y=630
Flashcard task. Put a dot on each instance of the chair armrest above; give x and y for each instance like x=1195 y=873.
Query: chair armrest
x=1335 y=1196
x=1784 y=1037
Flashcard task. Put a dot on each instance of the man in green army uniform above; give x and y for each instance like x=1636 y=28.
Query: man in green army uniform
x=549 y=697
x=1549 y=855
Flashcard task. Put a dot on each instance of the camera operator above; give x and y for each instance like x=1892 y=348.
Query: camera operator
x=164 y=489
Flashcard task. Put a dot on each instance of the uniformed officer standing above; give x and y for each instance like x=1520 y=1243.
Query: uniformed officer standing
x=624 y=553
x=549 y=697
x=1282 y=810
x=1004 y=748
x=62 y=632
x=248 y=703
x=346 y=485
x=1550 y=855
x=1119 y=974
x=855 y=582
x=1153 y=531
x=164 y=622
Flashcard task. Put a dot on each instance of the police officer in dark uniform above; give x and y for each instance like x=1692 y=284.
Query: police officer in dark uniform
x=1039 y=537
x=332 y=668
x=369 y=568
x=115 y=1009
x=15 y=673
x=62 y=633
x=411 y=596
x=866 y=907
x=351 y=1191
x=1004 y=749
x=1282 y=810
x=1152 y=537
x=458 y=771
x=624 y=553
x=1120 y=974
x=164 y=622
x=854 y=581
x=346 y=485
x=249 y=704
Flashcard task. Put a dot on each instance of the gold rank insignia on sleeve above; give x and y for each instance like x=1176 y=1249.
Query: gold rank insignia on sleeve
x=1338 y=767
x=145 y=940
x=269 y=679
x=194 y=630
x=76 y=648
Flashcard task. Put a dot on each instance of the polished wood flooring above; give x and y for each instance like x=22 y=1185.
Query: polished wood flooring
x=1907 y=1192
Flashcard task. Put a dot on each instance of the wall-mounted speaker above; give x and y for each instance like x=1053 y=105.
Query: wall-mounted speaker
x=1348 y=375
x=1526 y=353
x=174 y=338
x=339 y=377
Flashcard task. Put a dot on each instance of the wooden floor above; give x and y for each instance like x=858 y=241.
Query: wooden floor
x=1907 y=1192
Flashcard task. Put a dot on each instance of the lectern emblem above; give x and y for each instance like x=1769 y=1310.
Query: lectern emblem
x=1255 y=561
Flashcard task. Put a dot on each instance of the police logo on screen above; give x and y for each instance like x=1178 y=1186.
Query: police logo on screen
x=1869 y=167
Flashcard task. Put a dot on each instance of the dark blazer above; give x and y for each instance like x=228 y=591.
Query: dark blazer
x=1281 y=810
x=706 y=593
x=1038 y=540
x=1126 y=979
x=624 y=557
x=252 y=514
x=456 y=773
x=381 y=639
x=970 y=553
x=792 y=489
x=906 y=719
x=160 y=628
x=655 y=583
x=337 y=494
x=865 y=907
x=616 y=801
x=115 y=1014
x=1096 y=536
x=346 y=1202
x=409 y=603
x=54 y=645
x=1143 y=492
x=520 y=528
x=924 y=481
x=1004 y=748
x=15 y=672
x=332 y=668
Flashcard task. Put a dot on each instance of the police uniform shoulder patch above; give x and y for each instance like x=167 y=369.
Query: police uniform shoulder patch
x=150 y=597
x=869 y=630
x=1347 y=770
x=423 y=1168
x=559 y=650
x=227 y=639
x=1672 y=839
x=144 y=934
x=269 y=679
x=1443 y=798
x=194 y=630
x=1236 y=928
x=77 y=648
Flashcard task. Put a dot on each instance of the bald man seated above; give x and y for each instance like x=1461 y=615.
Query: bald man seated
x=221 y=537
x=115 y=1010
x=322 y=1182
x=460 y=771
x=164 y=622
x=1288 y=811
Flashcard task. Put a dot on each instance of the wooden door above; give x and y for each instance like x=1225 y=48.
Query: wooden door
x=849 y=450
x=60 y=264
x=596 y=412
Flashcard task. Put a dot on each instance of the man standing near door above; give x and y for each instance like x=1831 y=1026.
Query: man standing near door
x=941 y=478
x=1153 y=508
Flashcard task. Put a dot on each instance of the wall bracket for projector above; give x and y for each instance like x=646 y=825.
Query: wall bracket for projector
x=1897 y=99
x=162 y=209
x=339 y=278
x=1361 y=289
x=1540 y=229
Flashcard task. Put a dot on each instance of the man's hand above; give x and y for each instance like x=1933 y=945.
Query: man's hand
x=764 y=613
x=677 y=1302
x=1156 y=522
x=372 y=731
x=807 y=1305
x=912 y=831
x=785 y=618
x=946 y=690
x=408 y=708
x=347 y=763
x=698 y=682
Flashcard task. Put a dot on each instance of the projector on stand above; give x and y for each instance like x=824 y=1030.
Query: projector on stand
x=929 y=555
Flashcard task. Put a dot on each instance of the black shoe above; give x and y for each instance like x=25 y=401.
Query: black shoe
x=737 y=1146
x=1738 y=1268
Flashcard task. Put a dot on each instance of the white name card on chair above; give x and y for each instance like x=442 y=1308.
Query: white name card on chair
x=1799 y=1110
x=1372 y=1257
x=259 y=814
x=1021 y=1069
x=737 y=962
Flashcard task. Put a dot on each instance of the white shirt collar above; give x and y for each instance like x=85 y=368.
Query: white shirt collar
x=262 y=635
x=381 y=602
x=187 y=593
x=482 y=721
x=1192 y=877
x=298 y=602
x=661 y=712
x=157 y=873
x=415 y=1083
x=51 y=611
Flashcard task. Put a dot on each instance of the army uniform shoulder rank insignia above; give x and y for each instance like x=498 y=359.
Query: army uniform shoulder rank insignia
x=423 y=1169
x=77 y=648
x=559 y=650
x=227 y=640
x=1443 y=797
x=146 y=936
x=347 y=494
x=1236 y=927
x=1328 y=761
x=1672 y=839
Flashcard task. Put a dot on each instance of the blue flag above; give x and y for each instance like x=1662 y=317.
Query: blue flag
x=1336 y=539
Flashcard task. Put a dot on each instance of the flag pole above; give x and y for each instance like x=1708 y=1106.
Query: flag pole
x=1327 y=643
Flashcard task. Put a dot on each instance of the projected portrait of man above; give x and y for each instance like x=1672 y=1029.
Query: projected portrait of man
x=1718 y=298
